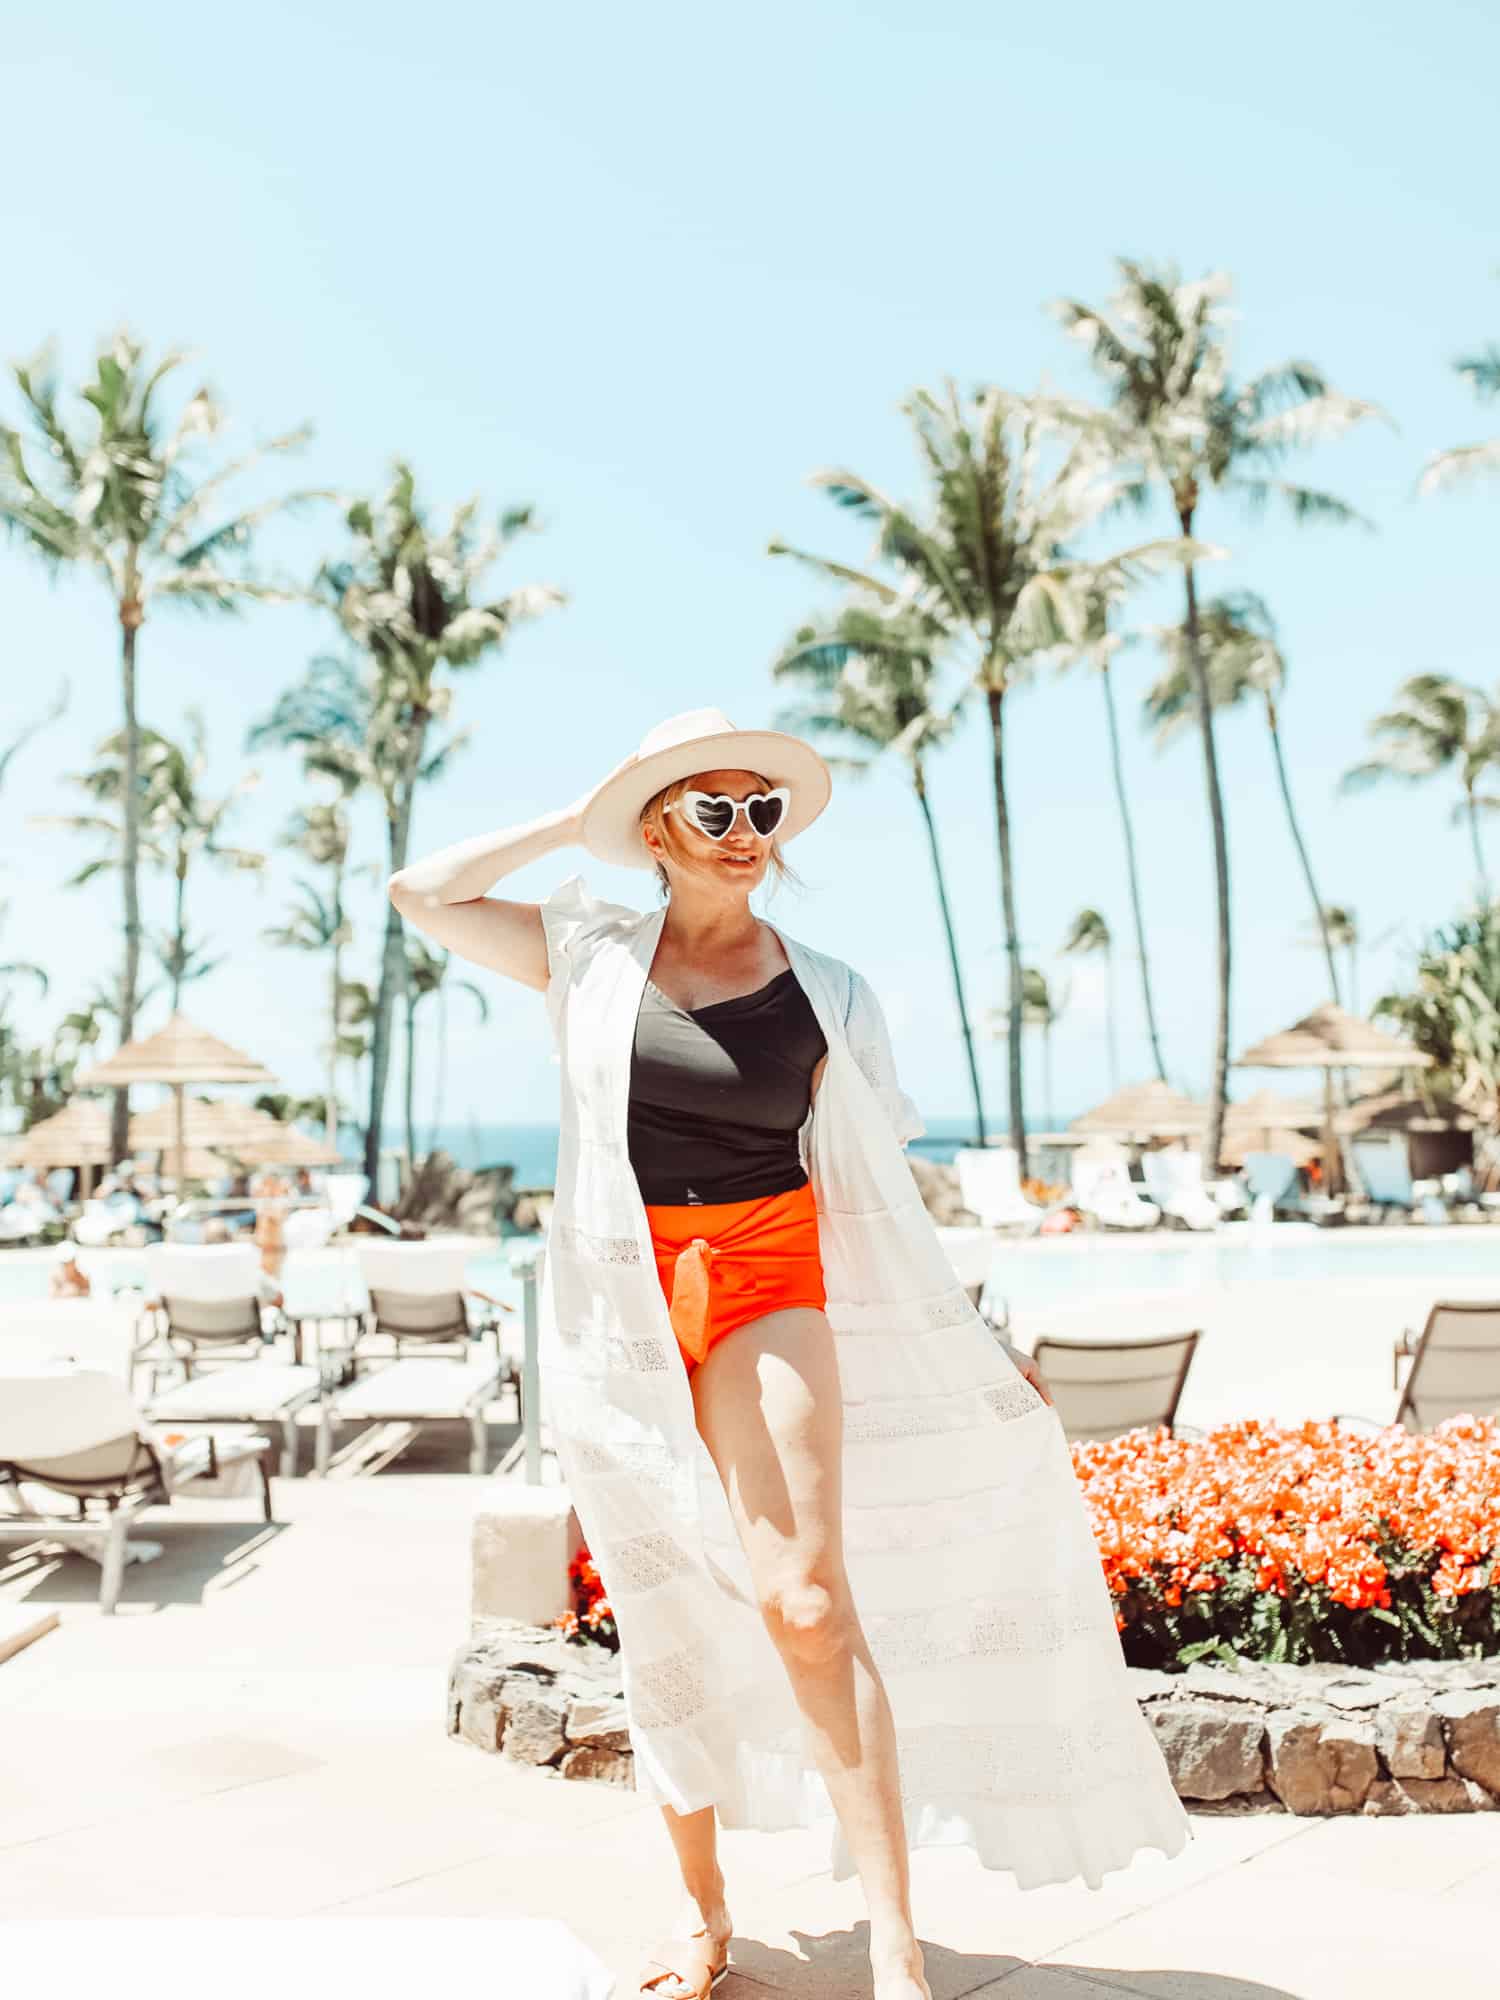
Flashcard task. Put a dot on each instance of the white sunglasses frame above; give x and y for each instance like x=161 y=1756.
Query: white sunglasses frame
x=683 y=804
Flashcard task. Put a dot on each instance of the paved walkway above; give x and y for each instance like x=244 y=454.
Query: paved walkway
x=258 y=1737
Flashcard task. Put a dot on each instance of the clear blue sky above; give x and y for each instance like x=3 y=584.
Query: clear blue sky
x=648 y=269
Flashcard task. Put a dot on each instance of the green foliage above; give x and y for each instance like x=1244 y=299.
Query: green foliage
x=1452 y=1012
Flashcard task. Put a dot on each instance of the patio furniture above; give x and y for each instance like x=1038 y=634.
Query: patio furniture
x=344 y=1193
x=1175 y=1183
x=204 y=1298
x=1455 y=1364
x=1102 y=1189
x=1103 y=1388
x=1383 y=1166
x=421 y=1389
x=420 y=1297
x=250 y=1392
x=78 y=1432
x=989 y=1185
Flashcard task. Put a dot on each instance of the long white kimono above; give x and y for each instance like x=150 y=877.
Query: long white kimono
x=974 y=1570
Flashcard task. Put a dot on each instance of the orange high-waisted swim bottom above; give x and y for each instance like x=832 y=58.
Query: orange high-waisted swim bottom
x=724 y=1263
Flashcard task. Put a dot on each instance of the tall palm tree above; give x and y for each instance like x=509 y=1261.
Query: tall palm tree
x=1097 y=649
x=117 y=489
x=177 y=824
x=1042 y=1008
x=407 y=596
x=1481 y=371
x=1244 y=662
x=1437 y=724
x=873 y=686
x=1179 y=426
x=984 y=569
x=315 y=922
x=1088 y=936
x=426 y=975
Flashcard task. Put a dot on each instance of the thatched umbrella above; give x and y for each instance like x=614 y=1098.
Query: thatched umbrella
x=1144 y=1111
x=238 y=1131
x=76 y=1136
x=1328 y=1039
x=178 y=1054
x=1266 y=1114
x=1297 y=1146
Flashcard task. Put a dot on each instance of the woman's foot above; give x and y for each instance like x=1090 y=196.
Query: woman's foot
x=713 y=1925
x=898 y=1974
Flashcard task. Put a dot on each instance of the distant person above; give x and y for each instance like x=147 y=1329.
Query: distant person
x=67 y=1279
x=739 y=1260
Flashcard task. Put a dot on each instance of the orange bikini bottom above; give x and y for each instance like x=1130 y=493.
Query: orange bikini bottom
x=724 y=1263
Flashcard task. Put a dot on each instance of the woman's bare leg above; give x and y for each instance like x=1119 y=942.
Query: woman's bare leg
x=695 y=1837
x=770 y=1410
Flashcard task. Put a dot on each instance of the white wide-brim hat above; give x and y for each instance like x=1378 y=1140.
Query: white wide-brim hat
x=701 y=739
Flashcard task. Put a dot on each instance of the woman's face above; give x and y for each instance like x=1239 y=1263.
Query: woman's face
x=741 y=857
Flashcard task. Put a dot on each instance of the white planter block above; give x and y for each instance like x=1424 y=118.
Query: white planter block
x=523 y=1540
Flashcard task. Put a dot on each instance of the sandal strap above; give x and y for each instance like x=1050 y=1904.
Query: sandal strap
x=687 y=1959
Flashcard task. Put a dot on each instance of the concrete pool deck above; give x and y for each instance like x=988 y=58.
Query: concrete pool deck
x=249 y=1763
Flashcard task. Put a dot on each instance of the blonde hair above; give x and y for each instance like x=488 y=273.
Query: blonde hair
x=655 y=815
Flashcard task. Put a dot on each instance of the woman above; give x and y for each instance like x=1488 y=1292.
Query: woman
x=836 y=1520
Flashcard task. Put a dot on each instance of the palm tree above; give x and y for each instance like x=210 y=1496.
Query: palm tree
x=985 y=576
x=1446 y=468
x=427 y=974
x=1097 y=649
x=406 y=596
x=872 y=686
x=1179 y=426
x=316 y=922
x=1041 y=1008
x=1437 y=724
x=1244 y=662
x=117 y=490
x=177 y=822
x=1088 y=935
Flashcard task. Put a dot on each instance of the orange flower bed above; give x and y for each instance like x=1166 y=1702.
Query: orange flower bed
x=1307 y=1543
x=591 y=1617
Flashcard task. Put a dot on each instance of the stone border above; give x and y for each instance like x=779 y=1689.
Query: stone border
x=1408 y=1736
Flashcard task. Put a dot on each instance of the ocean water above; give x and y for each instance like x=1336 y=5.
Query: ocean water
x=532 y=1149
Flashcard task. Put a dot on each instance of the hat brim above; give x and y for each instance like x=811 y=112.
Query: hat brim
x=611 y=829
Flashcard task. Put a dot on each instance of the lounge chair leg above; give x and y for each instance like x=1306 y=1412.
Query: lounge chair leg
x=478 y=1449
x=325 y=1443
x=288 y=1466
x=113 y=1566
x=264 y=1462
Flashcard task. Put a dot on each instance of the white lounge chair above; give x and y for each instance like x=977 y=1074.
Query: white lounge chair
x=249 y=1392
x=1175 y=1183
x=989 y=1185
x=421 y=1389
x=420 y=1296
x=344 y=1193
x=1102 y=1188
x=1101 y=1389
x=78 y=1432
x=204 y=1298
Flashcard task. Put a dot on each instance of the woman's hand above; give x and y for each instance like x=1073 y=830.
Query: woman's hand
x=1027 y=1367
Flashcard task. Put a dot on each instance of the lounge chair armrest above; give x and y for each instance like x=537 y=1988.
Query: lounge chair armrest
x=1358 y=1417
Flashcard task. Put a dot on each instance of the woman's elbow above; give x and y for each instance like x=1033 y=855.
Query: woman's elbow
x=399 y=889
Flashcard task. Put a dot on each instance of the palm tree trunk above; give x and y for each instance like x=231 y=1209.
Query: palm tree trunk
x=1480 y=871
x=331 y=1109
x=130 y=622
x=1220 y=1089
x=409 y=1079
x=178 y=933
x=1109 y=1018
x=1132 y=872
x=920 y=782
x=995 y=699
x=440 y=1087
x=393 y=958
x=1301 y=846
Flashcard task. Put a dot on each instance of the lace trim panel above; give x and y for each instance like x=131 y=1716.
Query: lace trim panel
x=645 y=1355
x=870 y=1423
x=670 y=1691
x=1023 y=1762
x=641 y=1562
x=575 y=1242
x=985 y=1628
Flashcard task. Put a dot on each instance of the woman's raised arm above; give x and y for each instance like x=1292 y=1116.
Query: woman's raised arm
x=443 y=895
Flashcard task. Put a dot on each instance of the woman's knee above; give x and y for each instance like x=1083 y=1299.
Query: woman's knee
x=810 y=1621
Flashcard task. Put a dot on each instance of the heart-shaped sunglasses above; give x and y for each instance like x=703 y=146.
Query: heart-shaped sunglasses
x=714 y=813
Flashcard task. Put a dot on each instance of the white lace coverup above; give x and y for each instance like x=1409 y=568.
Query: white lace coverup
x=972 y=1563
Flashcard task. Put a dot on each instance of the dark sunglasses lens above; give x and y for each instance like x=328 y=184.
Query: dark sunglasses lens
x=765 y=815
x=714 y=816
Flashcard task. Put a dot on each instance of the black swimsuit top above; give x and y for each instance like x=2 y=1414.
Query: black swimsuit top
x=718 y=1094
